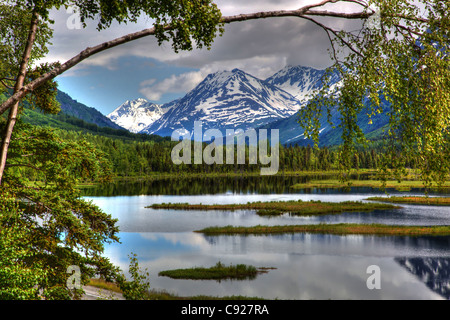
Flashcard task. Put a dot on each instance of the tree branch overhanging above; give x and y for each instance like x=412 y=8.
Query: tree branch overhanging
x=24 y=165
x=89 y=52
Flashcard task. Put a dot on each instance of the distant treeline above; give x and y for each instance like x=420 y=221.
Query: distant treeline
x=142 y=158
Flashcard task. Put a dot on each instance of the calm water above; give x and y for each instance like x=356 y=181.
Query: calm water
x=307 y=266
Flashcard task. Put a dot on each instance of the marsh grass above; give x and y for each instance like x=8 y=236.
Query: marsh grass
x=437 y=201
x=217 y=272
x=336 y=229
x=404 y=185
x=275 y=208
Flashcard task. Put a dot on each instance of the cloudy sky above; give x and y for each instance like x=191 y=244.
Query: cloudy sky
x=142 y=69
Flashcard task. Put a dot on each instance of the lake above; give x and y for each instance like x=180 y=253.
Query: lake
x=307 y=266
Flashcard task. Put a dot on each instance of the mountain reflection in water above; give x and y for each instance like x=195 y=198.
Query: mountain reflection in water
x=433 y=271
x=308 y=266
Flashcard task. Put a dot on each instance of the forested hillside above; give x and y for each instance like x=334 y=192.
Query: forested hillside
x=133 y=155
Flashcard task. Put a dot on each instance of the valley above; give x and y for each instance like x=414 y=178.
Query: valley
x=161 y=206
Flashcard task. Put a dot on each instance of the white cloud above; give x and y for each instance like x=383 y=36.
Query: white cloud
x=185 y=82
x=148 y=83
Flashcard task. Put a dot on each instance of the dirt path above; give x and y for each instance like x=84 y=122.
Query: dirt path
x=93 y=293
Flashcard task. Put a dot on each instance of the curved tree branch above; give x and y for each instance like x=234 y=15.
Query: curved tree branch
x=89 y=52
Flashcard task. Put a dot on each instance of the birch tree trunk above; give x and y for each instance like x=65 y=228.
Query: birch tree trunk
x=12 y=117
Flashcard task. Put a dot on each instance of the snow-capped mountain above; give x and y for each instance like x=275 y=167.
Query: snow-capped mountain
x=237 y=100
x=300 y=81
x=136 y=115
x=226 y=100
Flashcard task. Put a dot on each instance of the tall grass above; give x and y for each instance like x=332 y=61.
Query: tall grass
x=337 y=229
x=280 y=207
x=377 y=184
x=437 y=201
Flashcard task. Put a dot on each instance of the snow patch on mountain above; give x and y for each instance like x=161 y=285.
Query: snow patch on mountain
x=227 y=100
x=137 y=114
x=299 y=81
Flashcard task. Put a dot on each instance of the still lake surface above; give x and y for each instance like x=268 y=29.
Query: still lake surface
x=307 y=266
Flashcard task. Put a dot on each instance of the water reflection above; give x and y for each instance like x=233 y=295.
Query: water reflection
x=433 y=271
x=197 y=186
x=135 y=217
x=309 y=266
x=222 y=185
x=334 y=245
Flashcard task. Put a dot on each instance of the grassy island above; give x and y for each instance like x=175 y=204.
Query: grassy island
x=337 y=229
x=280 y=207
x=376 y=184
x=436 y=201
x=217 y=272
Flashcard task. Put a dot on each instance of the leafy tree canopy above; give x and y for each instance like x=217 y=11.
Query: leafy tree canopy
x=401 y=60
x=196 y=20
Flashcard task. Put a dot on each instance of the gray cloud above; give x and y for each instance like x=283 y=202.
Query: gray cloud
x=259 y=47
x=292 y=40
x=298 y=40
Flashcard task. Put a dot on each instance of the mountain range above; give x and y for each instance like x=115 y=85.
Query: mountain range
x=235 y=99
x=228 y=99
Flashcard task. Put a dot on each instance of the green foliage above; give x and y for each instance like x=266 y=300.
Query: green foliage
x=14 y=30
x=405 y=64
x=144 y=158
x=59 y=227
x=218 y=272
x=14 y=25
x=44 y=97
x=190 y=22
x=45 y=225
x=19 y=276
x=138 y=287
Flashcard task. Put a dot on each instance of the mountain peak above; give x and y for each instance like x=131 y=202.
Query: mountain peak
x=300 y=81
x=236 y=70
x=221 y=77
x=134 y=115
x=141 y=100
x=227 y=100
